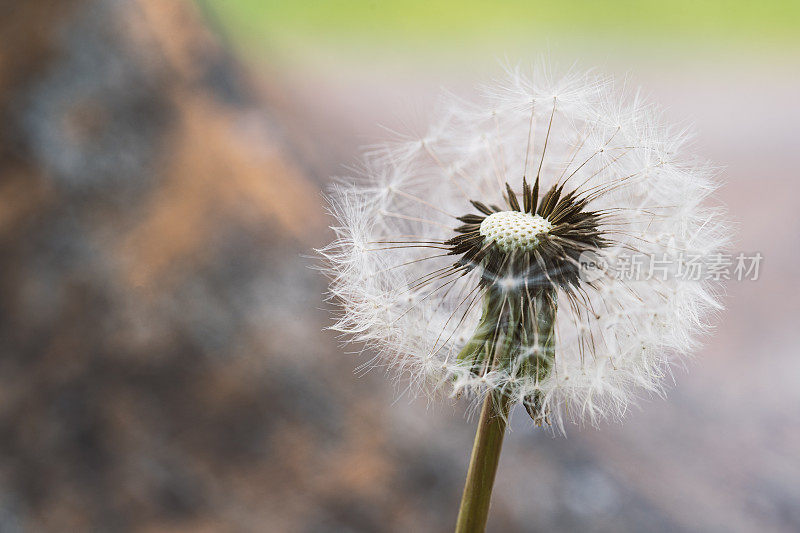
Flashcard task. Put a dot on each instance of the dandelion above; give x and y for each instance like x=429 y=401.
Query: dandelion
x=462 y=256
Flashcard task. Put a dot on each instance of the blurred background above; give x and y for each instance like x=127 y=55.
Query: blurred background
x=163 y=364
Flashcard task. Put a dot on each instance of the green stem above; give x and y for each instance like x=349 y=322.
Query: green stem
x=483 y=464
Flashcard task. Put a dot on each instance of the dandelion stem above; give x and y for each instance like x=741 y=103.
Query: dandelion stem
x=483 y=464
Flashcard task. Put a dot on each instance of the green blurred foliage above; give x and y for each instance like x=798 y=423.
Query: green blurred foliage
x=771 y=24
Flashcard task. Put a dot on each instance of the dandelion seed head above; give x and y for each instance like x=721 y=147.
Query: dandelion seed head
x=457 y=256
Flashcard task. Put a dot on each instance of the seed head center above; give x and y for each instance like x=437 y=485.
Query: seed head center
x=513 y=230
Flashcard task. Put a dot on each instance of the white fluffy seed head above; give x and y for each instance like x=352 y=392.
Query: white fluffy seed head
x=622 y=335
x=513 y=230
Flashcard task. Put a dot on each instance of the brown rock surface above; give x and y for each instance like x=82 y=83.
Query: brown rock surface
x=160 y=366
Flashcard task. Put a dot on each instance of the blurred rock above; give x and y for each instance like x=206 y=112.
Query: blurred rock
x=160 y=364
